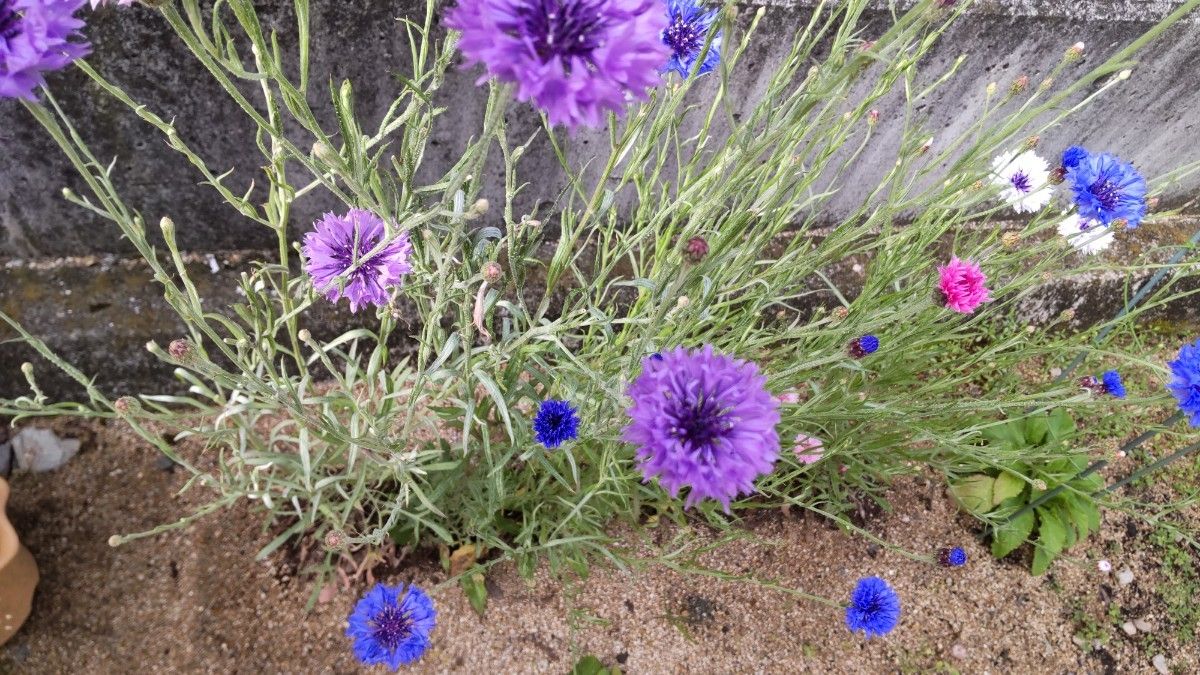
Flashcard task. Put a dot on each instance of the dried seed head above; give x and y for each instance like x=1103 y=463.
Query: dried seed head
x=683 y=301
x=1046 y=84
x=1067 y=315
x=1120 y=223
x=180 y=349
x=1125 y=74
x=27 y=368
x=1019 y=85
x=695 y=249
x=1075 y=52
x=925 y=146
x=1039 y=484
x=1152 y=203
x=991 y=89
x=481 y=206
x=873 y=117
x=304 y=334
x=125 y=404
x=1010 y=239
x=1031 y=142
x=1058 y=175
x=335 y=540
x=492 y=272
x=841 y=313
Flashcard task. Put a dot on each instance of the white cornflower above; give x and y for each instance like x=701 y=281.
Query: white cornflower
x=1087 y=236
x=1025 y=179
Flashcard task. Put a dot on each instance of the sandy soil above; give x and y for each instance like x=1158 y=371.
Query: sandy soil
x=195 y=600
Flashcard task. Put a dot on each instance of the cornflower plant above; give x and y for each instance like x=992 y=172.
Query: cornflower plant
x=672 y=333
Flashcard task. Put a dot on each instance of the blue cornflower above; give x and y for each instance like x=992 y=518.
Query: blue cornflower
x=1107 y=190
x=952 y=557
x=1112 y=384
x=1185 y=385
x=687 y=29
x=861 y=346
x=1072 y=156
x=391 y=625
x=556 y=423
x=874 y=607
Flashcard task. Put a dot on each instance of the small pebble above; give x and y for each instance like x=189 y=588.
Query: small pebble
x=1143 y=625
x=1129 y=628
x=1160 y=664
x=1125 y=576
x=958 y=652
x=1104 y=566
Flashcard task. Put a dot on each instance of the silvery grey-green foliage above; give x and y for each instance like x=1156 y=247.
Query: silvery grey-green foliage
x=347 y=435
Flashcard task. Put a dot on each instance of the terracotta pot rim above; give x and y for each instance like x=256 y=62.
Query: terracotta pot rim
x=9 y=543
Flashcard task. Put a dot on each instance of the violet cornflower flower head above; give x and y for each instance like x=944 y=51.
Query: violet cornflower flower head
x=952 y=557
x=963 y=285
x=874 y=608
x=36 y=37
x=705 y=421
x=1185 y=381
x=1107 y=190
x=390 y=625
x=575 y=59
x=339 y=260
x=688 y=23
x=556 y=423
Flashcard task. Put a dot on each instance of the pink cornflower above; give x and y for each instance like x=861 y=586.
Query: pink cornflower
x=808 y=449
x=962 y=284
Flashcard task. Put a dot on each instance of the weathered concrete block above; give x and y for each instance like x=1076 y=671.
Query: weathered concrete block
x=1151 y=120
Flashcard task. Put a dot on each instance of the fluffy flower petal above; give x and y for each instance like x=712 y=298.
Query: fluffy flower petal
x=1185 y=381
x=1024 y=179
x=1106 y=190
x=704 y=421
x=963 y=285
x=338 y=257
x=36 y=37
x=575 y=59
x=1087 y=236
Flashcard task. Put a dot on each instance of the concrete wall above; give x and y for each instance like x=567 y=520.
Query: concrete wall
x=98 y=299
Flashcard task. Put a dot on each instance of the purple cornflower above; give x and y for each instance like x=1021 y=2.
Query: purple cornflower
x=556 y=423
x=952 y=557
x=390 y=625
x=340 y=263
x=37 y=36
x=686 y=32
x=575 y=59
x=705 y=421
x=861 y=346
x=874 y=607
x=1185 y=383
x=1107 y=190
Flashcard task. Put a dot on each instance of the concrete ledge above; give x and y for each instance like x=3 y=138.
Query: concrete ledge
x=99 y=311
